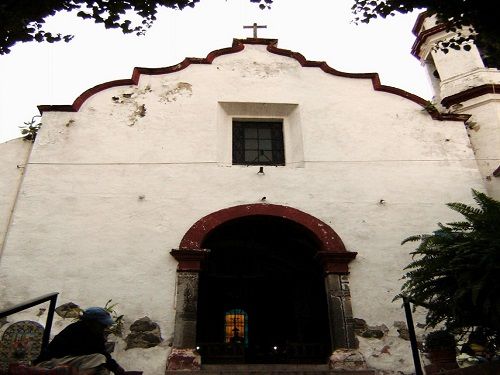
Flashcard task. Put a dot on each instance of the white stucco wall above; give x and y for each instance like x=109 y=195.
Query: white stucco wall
x=111 y=189
x=484 y=132
x=13 y=157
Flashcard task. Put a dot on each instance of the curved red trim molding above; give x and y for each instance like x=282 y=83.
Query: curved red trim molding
x=496 y=172
x=328 y=240
x=419 y=22
x=377 y=86
x=239 y=45
x=422 y=38
x=471 y=93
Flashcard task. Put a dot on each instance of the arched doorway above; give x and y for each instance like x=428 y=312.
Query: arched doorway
x=291 y=242
x=261 y=296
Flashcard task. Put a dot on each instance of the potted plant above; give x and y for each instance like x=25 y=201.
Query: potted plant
x=441 y=351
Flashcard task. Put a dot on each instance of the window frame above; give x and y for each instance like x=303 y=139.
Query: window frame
x=240 y=141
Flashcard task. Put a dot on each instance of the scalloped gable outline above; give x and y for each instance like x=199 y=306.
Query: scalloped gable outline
x=237 y=46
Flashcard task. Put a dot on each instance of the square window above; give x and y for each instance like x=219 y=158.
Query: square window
x=258 y=143
x=265 y=144
x=251 y=144
x=251 y=133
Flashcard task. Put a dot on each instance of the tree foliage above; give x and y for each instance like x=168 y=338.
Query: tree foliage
x=455 y=271
x=482 y=15
x=23 y=20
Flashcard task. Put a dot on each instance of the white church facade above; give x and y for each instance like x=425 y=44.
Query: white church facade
x=250 y=196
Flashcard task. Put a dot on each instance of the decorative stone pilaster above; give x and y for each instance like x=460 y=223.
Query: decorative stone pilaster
x=340 y=312
x=335 y=266
x=184 y=355
x=186 y=309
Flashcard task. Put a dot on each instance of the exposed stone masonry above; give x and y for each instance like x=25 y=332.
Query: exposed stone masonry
x=144 y=333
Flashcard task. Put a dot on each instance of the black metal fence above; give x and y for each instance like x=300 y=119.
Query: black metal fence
x=51 y=297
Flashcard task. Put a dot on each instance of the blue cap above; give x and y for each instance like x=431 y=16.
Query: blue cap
x=98 y=314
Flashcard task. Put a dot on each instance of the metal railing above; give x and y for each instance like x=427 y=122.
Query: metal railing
x=52 y=297
x=411 y=333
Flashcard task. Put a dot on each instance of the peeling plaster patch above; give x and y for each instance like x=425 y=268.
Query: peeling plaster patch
x=69 y=310
x=376 y=332
x=131 y=98
x=172 y=93
x=140 y=111
x=41 y=311
x=361 y=328
x=387 y=352
x=144 y=334
x=402 y=330
x=267 y=70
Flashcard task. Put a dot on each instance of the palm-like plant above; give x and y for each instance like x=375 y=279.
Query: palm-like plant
x=455 y=271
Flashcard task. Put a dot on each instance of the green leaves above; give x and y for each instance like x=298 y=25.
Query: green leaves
x=456 y=269
x=31 y=128
x=21 y=20
x=456 y=14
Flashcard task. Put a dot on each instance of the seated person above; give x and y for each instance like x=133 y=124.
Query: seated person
x=81 y=345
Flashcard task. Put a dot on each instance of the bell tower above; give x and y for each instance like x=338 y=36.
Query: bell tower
x=464 y=84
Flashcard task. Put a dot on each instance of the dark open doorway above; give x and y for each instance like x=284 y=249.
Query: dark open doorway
x=262 y=294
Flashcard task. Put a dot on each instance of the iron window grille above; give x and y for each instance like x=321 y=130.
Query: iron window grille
x=258 y=143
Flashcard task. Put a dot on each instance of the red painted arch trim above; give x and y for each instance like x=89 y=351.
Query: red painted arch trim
x=239 y=45
x=328 y=240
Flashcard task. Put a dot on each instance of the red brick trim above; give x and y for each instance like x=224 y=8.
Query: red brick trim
x=471 y=93
x=326 y=236
x=335 y=262
x=189 y=259
x=332 y=252
x=239 y=45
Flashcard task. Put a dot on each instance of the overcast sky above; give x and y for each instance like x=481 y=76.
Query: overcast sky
x=34 y=74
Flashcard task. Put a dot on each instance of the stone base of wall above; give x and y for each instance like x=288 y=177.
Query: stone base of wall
x=347 y=360
x=183 y=360
x=492 y=368
x=266 y=369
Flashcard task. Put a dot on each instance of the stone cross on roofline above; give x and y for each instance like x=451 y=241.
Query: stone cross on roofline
x=255 y=27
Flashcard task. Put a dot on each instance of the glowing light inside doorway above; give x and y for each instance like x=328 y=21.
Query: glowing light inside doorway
x=236 y=326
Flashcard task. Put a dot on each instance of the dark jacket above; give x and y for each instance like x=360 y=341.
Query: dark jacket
x=75 y=340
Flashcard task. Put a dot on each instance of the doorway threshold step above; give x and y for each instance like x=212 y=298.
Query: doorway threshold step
x=262 y=369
